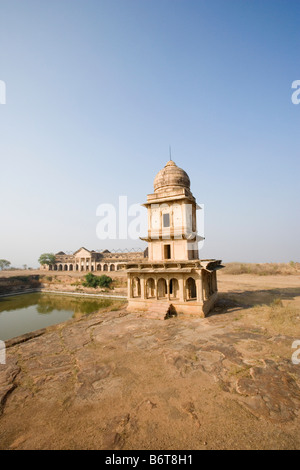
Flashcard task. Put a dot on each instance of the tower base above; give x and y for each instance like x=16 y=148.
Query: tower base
x=162 y=309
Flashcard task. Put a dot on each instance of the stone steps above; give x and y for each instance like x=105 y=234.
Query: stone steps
x=159 y=310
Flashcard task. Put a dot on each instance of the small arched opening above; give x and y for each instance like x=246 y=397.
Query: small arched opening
x=136 y=287
x=162 y=288
x=191 y=291
x=150 y=288
x=174 y=288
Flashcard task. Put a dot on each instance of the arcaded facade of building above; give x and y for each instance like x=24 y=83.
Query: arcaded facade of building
x=86 y=260
x=173 y=279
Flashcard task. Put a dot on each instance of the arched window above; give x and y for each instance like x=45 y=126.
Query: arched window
x=65 y=267
x=71 y=267
x=60 y=267
x=191 y=291
x=150 y=288
x=174 y=288
x=98 y=267
x=55 y=267
x=136 y=287
x=50 y=267
x=112 y=267
x=105 y=267
x=162 y=288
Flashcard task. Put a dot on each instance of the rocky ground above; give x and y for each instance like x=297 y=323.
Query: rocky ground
x=121 y=381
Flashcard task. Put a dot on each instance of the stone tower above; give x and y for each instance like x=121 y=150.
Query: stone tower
x=171 y=216
x=173 y=275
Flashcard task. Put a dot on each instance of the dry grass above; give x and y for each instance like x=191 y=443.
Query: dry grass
x=284 y=317
x=262 y=269
x=279 y=317
x=119 y=282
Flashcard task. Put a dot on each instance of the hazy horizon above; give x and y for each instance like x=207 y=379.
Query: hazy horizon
x=97 y=91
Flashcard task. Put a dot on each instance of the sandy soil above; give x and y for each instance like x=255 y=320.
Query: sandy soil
x=121 y=381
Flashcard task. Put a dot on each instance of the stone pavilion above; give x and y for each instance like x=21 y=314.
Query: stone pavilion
x=172 y=280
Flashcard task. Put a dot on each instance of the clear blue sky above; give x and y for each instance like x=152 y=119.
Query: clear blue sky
x=97 y=90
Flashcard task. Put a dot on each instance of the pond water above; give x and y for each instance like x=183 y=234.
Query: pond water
x=29 y=312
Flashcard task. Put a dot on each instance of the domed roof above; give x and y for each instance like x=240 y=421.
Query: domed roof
x=171 y=175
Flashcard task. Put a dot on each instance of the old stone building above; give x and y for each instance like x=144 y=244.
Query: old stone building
x=86 y=260
x=173 y=279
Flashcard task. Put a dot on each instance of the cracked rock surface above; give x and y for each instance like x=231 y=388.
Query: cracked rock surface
x=120 y=381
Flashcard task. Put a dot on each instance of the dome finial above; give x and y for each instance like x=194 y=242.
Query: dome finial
x=170 y=152
x=171 y=176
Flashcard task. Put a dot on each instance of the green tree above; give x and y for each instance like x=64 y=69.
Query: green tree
x=104 y=281
x=4 y=264
x=47 y=258
x=96 y=281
